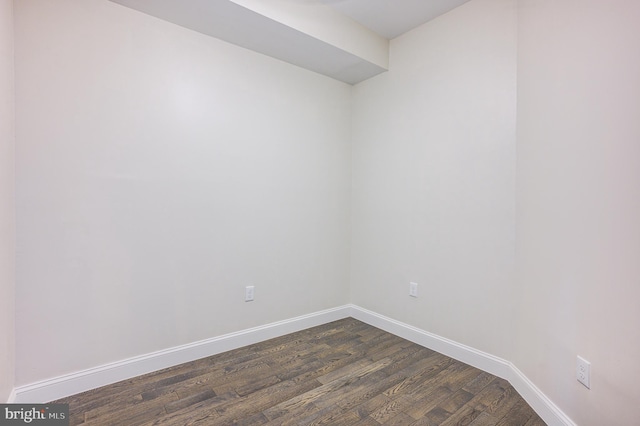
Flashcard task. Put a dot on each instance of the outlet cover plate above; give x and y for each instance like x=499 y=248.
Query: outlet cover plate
x=248 y=293
x=413 y=289
x=583 y=372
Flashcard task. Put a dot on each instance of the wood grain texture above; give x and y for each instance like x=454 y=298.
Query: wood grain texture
x=342 y=373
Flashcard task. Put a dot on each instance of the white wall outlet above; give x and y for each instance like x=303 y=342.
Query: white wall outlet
x=248 y=293
x=413 y=289
x=583 y=372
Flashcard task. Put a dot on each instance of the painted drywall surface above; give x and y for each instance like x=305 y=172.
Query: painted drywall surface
x=159 y=172
x=7 y=201
x=434 y=178
x=578 y=204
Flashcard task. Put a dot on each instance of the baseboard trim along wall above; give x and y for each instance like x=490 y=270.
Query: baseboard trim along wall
x=542 y=405
x=468 y=355
x=546 y=409
x=70 y=384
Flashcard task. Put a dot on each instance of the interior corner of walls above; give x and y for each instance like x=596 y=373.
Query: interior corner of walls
x=482 y=360
x=12 y=397
x=497 y=366
x=541 y=404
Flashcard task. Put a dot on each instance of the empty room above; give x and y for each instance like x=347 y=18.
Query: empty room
x=343 y=212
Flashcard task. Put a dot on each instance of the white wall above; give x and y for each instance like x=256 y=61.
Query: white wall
x=159 y=171
x=434 y=178
x=7 y=201
x=578 y=214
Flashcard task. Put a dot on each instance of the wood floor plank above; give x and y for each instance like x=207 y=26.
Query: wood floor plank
x=423 y=404
x=440 y=387
x=484 y=419
x=131 y=404
x=463 y=416
x=479 y=383
x=353 y=393
x=328 y=416
x=333 y=386
x=390 y=410
x=427 y=369
x=496 y=399
x=435 y=416
x=368 y=421
x=456 y=401
x=267 y=398
x=202 y=411
x=348 y=370
x=399 y=371
x=519 y=414
x=342 y=373
x=376 y=384
x=189 y=401
x=134 y=414
x=293 y=417
x=401 y=419
x=535 y=421
x=371 y=405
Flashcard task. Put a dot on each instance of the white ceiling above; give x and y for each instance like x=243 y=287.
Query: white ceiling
x=391 y=18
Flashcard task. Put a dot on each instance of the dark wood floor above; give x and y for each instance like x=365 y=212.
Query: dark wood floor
x=341 y=373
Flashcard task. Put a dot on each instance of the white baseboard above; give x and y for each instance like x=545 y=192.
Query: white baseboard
x=12 y=397
x=71 y=384
x=484 y=361
x=542 y=405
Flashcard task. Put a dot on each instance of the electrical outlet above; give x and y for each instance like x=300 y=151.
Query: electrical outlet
x=413 y=289
x=583 y=372
x=248 y=293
